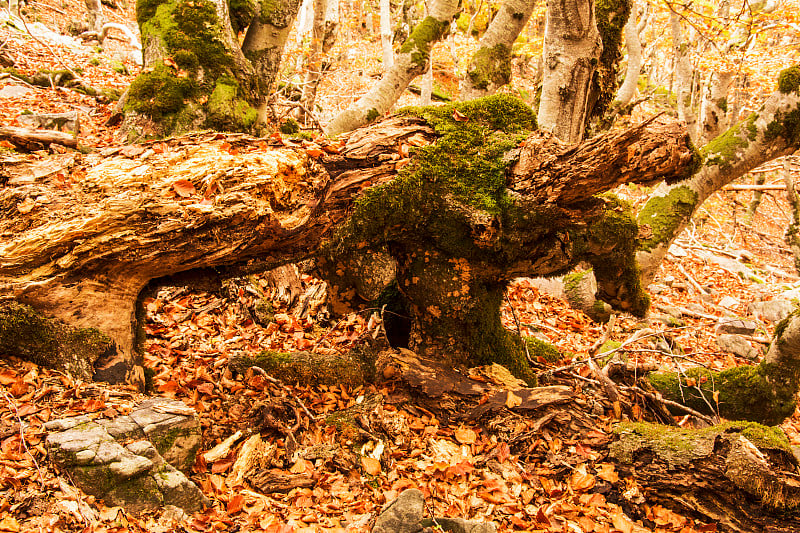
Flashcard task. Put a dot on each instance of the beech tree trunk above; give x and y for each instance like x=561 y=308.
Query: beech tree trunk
x=683 y=75
x=410 y=62
x=490 y=66
x=714 y=108
x=195 y=75
x=633 y=45
x=572 y=50
x=326 y=22
x=83 y=253
x=769 y=133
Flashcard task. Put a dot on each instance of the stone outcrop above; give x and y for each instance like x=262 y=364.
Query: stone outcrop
x=407 y=514
x=133 y=460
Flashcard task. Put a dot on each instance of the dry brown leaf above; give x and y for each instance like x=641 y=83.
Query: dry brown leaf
x=606 y=472
x=184 y=188
x=513 y=400
x=621 y=522
x=371 y=466
x=465 y=435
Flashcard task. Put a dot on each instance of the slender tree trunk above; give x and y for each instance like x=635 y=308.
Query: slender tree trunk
x=793 y=231
x=326 y=22
x=386 y=34
x=409 y=63
x=572 y=50
x=633 y=46
x=263 y=44
x=490 y=66
x=94 y=15
x=770 y=132
x=714 y=108
x=683 y=75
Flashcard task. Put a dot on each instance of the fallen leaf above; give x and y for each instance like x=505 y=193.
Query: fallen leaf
x=371 y=466
x=465 y=435
x=235 y=504
x=513 y=400
x=184 y=188
x=606 y=472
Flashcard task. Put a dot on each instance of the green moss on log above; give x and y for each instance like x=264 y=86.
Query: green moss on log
x=26 y=334
x=756 y=393
x=664 y=215
x=352 y=368
x=543 y=350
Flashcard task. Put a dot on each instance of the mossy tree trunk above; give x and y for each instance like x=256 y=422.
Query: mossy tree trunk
x=410 y=62
x=195 y=74
x=739 y=476
x=772 y=131
x=765 y=393
x=482 y=213
x=490 y=66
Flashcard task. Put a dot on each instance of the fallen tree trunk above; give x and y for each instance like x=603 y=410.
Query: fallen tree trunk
x=741 y=476
x=81 y=251
x=30 y=140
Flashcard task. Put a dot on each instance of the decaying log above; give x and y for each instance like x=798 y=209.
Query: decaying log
x=738 y=475
x=81 y=250
x=30 y=140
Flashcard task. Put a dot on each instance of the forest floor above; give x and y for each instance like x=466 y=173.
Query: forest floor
x=555 y=480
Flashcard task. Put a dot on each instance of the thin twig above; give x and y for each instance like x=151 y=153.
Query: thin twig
x=669 y=403
x=519 y=331
x=13 y=406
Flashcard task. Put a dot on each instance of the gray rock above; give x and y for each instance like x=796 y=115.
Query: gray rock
x=135 y=476
x=14 y=91
x=772 y=311
x=580 y=288
x=403 y=514
x=177 y=437
x=735 y=326
x=677 y=251
x=728 y=302
x=407 y=515
x=737 y=346
x=122 y=427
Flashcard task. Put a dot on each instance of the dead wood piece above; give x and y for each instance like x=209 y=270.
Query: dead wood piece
x=717 y=473
x=31 y=140
x=274 y=480
x=523 y=400
x=433 y=378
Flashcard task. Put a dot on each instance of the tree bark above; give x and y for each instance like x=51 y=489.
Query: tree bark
x=714 y=108
x=683 y=75
x=264 y=41
x=195 y=75
x=769 y=133
x=411 y=61
x=490 y=66
x=326 y=21
x=82 y=254
x=740 y=476
x=633 y=46
x=572 y=49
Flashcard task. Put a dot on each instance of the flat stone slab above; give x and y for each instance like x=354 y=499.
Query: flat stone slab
x=132 y=460
x=735 y=326
x=407 y=514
